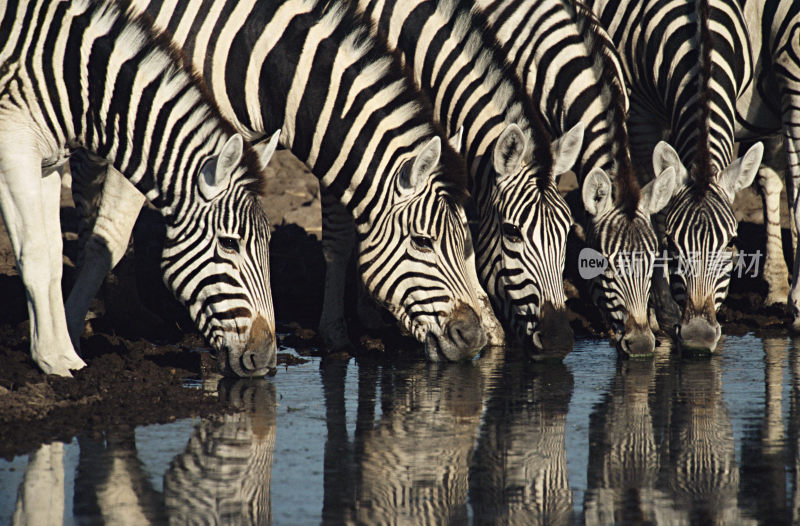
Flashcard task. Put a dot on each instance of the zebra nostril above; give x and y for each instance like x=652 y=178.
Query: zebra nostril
x=253 y=361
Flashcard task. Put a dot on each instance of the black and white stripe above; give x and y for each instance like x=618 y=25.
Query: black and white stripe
x=570 y=67
x=686 y=62
x=225 y=471
x=347 y=109
x=523 y=221
x=84 y=74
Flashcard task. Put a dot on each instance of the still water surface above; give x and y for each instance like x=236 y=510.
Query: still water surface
x=591 y=441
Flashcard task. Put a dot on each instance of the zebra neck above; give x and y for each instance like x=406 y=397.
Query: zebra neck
x=343 y=103
x=666 y=74
x=138 y=110
x=454 y=62
x=560 y=61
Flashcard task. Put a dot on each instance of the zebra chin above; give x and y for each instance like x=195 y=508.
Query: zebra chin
x=256 y=357
x=462 y=338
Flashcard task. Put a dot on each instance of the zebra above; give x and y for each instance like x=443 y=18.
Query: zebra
x=87 y=74
x=349 y=111
x=382 y=475
x=568 y=64
x=686 y=63
x=225 y=471
x=769 y=107
x=523 y=221
x=519 y=473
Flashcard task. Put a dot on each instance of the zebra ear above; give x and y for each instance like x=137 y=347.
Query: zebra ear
x=566 y=149
x=509 y=151
x=741 y=172
x=410 y=180
x=265 y=150
x=596 y=192
x=215 y=175
x=665 y=156
x=455 y=140
x=657 y=193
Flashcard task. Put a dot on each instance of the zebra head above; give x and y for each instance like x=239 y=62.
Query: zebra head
x=216 y=260
x=413 y=259
x=626 y=240
x=522 y=244
x=700 y=236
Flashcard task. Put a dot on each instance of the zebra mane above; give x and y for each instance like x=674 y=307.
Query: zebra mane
x=542 y=155
x=702 y=172
x=601 y=50
x=365 y=33
x=158 y=41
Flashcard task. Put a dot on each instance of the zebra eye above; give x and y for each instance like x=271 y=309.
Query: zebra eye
x=229 y=244
x=512 y=232
x=733 y=242
x=422 y=243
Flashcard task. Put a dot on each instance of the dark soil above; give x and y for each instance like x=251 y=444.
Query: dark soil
x=140 y=348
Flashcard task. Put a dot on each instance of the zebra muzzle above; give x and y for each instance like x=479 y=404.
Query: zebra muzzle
x=257 y=357
x=554 y=337
x=637 y=339
x=699 y=330
x=463 y=336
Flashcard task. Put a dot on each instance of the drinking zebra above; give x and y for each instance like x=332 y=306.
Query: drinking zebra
x=523 y=221
x=769 y=107
x=348 y=110
x=686 y=63
x=569 y=65
x=85 y=74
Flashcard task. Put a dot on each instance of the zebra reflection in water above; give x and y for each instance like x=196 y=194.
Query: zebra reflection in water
x=411 y=466
x=224 y=474
x=663 y=449
x=520 y=471
x=623 y=454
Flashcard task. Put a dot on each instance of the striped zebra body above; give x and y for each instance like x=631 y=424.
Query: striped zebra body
x=523 y=221
x=347 y=109
x=568 y=64
x=768 y=108
x=686 y=63
x=84 y=74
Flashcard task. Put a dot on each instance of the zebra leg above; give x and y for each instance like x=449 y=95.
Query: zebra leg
x=338 y=240
x=790 y=89
x=775 y=271
x=40 y=499
x=793 y=177
x=30 y=208
x=120 y=204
